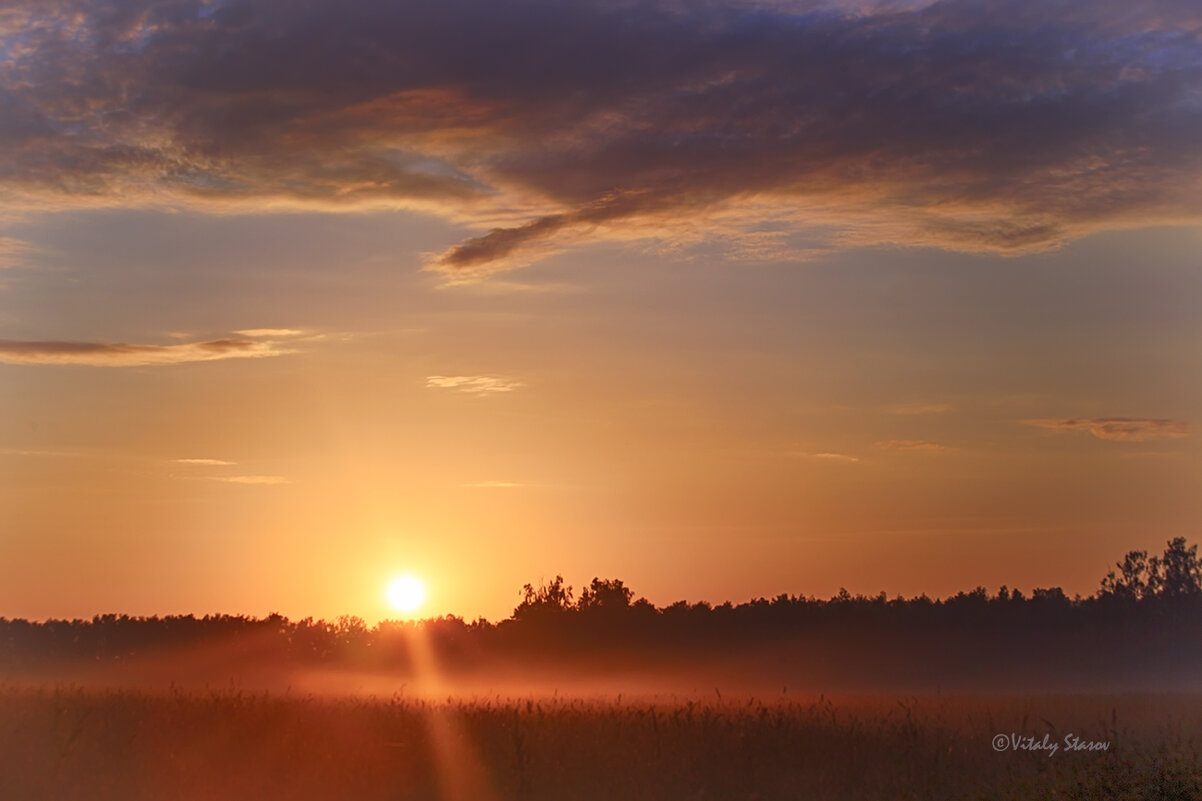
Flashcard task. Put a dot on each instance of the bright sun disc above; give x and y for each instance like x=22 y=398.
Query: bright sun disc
x=406 y=593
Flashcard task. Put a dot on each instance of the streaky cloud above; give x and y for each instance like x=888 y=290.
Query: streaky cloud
x=473 y=384
x=831 y=457
x=110 y=354
x=14 y=252
x=1120 y=429
x=1003 y=126
x=910 y=445
x=269 y=333
x=252 y=480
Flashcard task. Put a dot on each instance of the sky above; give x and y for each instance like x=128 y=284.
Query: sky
x=724 y=299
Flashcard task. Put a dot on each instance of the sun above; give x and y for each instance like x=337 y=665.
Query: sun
x=406 y=593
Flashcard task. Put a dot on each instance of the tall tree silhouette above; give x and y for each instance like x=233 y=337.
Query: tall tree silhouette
x=1176 y=574
x=1180 y=573
x=1133 y=581
x=548 y=598
x=605 y=594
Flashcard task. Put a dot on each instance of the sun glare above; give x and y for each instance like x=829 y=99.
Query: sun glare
x=406 y=593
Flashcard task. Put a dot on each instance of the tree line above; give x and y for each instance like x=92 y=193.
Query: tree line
x=1148 y=608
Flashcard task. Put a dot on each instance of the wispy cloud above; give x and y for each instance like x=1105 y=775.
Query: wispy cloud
x=910 y=445
x=13 y=252
x=473 y=384
x=831 y=457
x=110 y=354
x=261 y=333
x=996 y=125
x=257 y=480
x=1122 y=429
x=207 y=462
x=495 y=484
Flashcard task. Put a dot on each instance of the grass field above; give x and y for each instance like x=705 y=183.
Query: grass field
x=72 y=743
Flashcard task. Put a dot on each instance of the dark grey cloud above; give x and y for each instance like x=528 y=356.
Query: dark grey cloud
x=113 y=354
x=972 y=124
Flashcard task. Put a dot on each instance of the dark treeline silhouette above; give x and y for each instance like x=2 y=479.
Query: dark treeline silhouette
x=1142 y=628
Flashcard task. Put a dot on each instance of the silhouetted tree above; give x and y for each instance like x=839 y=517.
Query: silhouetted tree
x=1133 y=580
x=1180 y=573
x=548 y=597
x=607 y=594
x=1049 y=595
x=1176 y=574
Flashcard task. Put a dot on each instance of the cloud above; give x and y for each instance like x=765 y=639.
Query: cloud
x=495 y=484
x=257 y=480
x=108 y=354
x=208 y=462
x=269 y=333
x=910 y=445
x=974 y=125
x=13 y=252
x=1121 y=429
x=473 y=384
x=831 y=457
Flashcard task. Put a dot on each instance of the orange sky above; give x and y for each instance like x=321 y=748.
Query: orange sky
x=269 y=337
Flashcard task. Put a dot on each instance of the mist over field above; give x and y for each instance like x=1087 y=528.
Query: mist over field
x=94 y=744
x=600 y=695
x=1139 y=632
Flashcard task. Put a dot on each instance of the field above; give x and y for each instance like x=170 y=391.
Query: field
x=65 y=743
